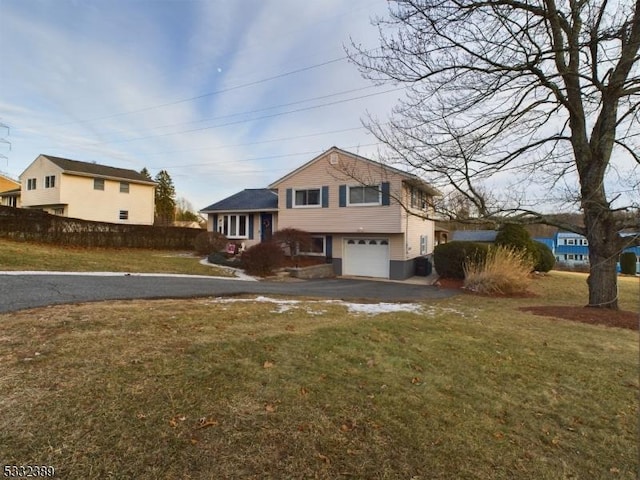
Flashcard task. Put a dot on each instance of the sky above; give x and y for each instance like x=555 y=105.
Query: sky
x=224 y=95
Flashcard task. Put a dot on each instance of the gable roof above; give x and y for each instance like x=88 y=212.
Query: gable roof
x=95 y=169
x=250 y=199
x=409 y=178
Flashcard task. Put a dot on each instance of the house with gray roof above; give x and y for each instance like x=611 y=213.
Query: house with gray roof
x=364 y=217
x=87 y=190
x=249 y=215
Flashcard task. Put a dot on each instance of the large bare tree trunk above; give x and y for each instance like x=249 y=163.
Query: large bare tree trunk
x=603 y=255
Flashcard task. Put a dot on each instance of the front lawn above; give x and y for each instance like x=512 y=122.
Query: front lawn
x=469 y=387
x=39 y=256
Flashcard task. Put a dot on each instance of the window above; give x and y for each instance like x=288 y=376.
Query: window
x=98 y=183
x=364 y=195
x=50 y=181
x=235 y=226
x=307 y=198
x=316 y=247
x=124 y=215
x=571 y=241
x=58 y=211
x=12 y=201
x=418 y=199
x=423 y=244
x=124 y=187
x=31 y=184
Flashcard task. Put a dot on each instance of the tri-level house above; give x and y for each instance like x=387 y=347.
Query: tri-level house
x=366 y=218
x=88 y=191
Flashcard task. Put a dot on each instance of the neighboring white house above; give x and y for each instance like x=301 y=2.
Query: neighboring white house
x=88 y=191
x=364 y=217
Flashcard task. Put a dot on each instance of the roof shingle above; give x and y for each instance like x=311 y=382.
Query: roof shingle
x=75 y=166
x=250 y=199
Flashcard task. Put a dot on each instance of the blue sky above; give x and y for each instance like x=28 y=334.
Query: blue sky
x=224 y=95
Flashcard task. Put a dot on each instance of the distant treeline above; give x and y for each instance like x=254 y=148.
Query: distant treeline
x=38 y=226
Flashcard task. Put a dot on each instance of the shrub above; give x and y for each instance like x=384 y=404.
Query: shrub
x=295 y=240
x=220 y=258
x=262 y=259
x=514 y=235
x=544 y=259
x=628 y=263
x=504 y=270
x=449 y=258
x=209 y=242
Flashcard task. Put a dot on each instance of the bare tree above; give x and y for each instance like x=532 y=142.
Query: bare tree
x=540 y=93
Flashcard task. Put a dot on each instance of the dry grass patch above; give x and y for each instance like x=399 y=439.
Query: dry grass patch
x=504 y=271
x=205 y=389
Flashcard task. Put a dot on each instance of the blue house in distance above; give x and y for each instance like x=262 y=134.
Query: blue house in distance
x=572 y=249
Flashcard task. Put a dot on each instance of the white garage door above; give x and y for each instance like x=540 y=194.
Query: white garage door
x=366 y=257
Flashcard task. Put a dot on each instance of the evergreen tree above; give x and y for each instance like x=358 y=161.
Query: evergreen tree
x=165 y=198
x=146 y=173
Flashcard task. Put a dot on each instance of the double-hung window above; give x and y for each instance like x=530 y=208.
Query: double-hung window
x=311 y=197
x=50 y=181
x=98 y=183
x=124 y=187
x=31 y=183
x=235 y=226
x=365 y=195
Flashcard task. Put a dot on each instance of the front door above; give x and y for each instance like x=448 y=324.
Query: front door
x=266 y=227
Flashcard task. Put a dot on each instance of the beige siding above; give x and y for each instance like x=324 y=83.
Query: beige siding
x=79 y=199
x=415 y=227
x=105 y=205
x=359 y=219
x=39 y=169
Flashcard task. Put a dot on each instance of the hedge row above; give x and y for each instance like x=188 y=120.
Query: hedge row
x=34 y=225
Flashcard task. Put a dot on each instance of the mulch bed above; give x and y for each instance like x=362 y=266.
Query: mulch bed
x=594 y=316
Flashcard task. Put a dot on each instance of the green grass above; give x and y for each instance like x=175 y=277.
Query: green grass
x=35 y=256
x=469 y=388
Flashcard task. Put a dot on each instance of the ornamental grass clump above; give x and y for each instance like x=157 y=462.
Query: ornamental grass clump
x=504 y=271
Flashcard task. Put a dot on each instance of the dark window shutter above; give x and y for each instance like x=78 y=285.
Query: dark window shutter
x=325 y=197
x=328 y=246
x=386 y=197
x=343 y=195
x=289 y=197
x=250 y=226
x=214 y=226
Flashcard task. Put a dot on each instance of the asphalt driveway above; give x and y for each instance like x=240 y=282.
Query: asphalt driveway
x=19 y=291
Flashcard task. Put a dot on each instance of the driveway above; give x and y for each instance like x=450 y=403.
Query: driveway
x=38 y=289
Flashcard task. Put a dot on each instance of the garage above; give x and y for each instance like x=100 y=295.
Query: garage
x=366 y=257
